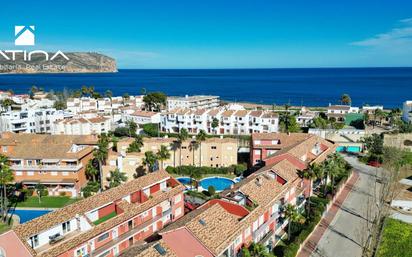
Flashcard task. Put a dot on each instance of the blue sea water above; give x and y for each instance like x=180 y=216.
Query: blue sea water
x=309 y=87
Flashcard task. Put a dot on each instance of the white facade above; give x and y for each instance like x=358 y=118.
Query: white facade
x=82 y=126
x=142 y=117
x=342 y=109
x=192 y=102
x=230 y=122
x=407 y=111
x=31 y=121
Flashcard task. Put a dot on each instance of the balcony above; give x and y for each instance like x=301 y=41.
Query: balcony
x=46 y=167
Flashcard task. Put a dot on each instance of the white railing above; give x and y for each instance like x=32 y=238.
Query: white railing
x=47 y=167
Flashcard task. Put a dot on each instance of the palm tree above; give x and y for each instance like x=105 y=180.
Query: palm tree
x=91 y=171
x=162 y=155
x=320 y=172
x=174 y=146
x=100 y=154
x=183 y=136
x=200 y=137
x=150 y=160
x=338 y=167
x=292 y=214
x=116 y=178
x=6 y=177
x=194 y=145
x=136 y=145
x=309 y=174
x=345 y=99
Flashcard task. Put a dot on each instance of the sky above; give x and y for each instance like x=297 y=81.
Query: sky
x=221 y=33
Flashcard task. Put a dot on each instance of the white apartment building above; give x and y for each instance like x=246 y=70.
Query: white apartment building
x=339 y=111
x=229 y=122
x=407 y=111
x=82 y=126
x=142 y=117
x=192 y=102
x=32 y=120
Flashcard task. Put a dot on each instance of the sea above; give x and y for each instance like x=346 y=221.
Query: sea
x=299 y=87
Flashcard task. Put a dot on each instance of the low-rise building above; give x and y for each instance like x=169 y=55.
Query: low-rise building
x=338 y=112
x=105 y=224
x=346 y=139
x=58 y=162
x=142 y=117
x=192 y=102
x=407 y=111
x=31 y=120
x=82 y=126
x=305 y=117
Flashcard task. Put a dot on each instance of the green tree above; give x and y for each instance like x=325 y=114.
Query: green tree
x=60 y=105
x=374 y=145
x=201 y=137
x=101 y=153
x=309 y=174
x=288 y=122
x=6 y=103
x=193 y=146
x=293 y=215
x=108 y=94
x=162 y=155
x=150 y=160
x=132 y=128
x=378 y=114
x=215 y=124
x=91 y=188
x=136 y=145
x=182 y=136
x=154 y=101
x=211 y=190
x=40 y=191
x=345 y=99
x=319 y=122
x=116 y=178
x=91 y=171
x=84 y=91
x=6 y=177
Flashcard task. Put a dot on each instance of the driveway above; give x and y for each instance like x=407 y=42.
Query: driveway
x=347 y=231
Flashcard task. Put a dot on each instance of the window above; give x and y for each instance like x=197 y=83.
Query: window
x=238 y=240
x=178 y=211
x=103 y=237
x=178 y=198
x=30 y=173
x=213 y=147
x=81 y=251
x=4 y=148
x=66 y=227
x=34 y=240
x=19 y=173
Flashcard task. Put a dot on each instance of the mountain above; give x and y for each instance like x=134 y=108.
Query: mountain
x=78 y=62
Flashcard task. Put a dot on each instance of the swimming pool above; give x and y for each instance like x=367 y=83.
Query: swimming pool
x=27 y=215
x=184 y=180
x=219 y=183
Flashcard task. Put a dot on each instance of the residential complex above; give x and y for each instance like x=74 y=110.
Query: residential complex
x=407 y=111
x=142 y=117
x=220 y=121
x=82 y=126
x=56 y=161
x=31 y=120
x=251 y=211
x=213 y=152
x=105 y=224
x=102 y=105
x=192 y=102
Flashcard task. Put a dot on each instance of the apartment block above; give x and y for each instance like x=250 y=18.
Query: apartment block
x=31 y=120
x=407 y=111
x=213 y=152
x=192 y=102
x=220 y=121
x=105 y=224
x=82 y=126
x=56 y=161
x=142 y=117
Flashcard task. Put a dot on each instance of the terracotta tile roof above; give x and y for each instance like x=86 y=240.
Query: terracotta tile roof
x=149 y=250
x=200 y=111
x=261 y=189
x=228 y=113
x=286 y=170
x=256 y=113
x=270 y=115
x=36 y=146
x=213 y=112
x=241 y=113
x=59 y=216
x=284 y=139
x=144 y=113
x=212 y=227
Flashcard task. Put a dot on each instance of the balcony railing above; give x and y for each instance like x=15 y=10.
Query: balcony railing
x=46 y=167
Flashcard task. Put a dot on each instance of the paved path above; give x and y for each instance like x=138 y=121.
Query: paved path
x=343 y=229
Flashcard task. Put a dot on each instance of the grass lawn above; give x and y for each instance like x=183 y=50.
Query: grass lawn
x=396 y=239
x=47 y=202
x=108 y=216
x=4 y=227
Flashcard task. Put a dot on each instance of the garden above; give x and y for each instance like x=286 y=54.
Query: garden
x=396 y=239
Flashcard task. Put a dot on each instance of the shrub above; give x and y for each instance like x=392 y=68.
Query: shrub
x=62 y=193
x=211 y=190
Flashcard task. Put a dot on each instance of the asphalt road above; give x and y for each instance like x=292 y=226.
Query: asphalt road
x=345 y=235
